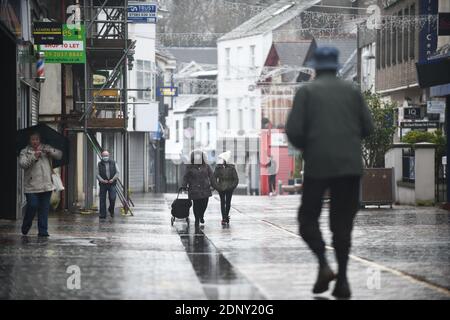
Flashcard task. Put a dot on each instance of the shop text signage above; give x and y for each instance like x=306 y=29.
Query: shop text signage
x=47 y=33
x=72 y=50
x=428 y=32
x=420 y=125
x=167 y=92
x=139 y=12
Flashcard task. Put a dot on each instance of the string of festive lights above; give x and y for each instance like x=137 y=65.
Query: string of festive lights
x=335 y=27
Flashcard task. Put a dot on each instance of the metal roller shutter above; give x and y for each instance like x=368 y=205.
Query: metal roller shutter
x=137 y=162
x=34 y=107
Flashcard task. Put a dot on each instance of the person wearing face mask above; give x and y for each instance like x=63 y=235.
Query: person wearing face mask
x=198 y=181
x=107 y=176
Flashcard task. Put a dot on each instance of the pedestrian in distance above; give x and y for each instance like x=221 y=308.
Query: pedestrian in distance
x=225 y=181
x=272 y=171
x=328 y=120
x=198 y=181
x=107 y=176
x=36 y=160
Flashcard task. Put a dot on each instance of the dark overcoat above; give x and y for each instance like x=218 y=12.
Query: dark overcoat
x=328 y=120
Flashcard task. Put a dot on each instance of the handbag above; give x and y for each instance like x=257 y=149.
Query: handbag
x=56 y=179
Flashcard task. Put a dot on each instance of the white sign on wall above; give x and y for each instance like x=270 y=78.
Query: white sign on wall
x=436 y=106
x=278 y=139
x=146 y=117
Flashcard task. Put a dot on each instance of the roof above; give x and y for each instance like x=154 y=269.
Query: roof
x=201 y=55
x=183 y=102
x=346 y=46
x=203 y=107
x=293 y=53
x=269 y=19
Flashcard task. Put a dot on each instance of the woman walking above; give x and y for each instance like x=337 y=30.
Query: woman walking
x=225 y=180
x=35 y=159
x=198 y=181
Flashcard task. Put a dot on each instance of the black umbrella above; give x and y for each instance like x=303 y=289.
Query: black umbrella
x=48 y=136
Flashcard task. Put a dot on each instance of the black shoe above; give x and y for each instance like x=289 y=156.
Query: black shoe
x=111 y=214
x=24 y=232
x=202 y=221
x=342 y=289
x=102 y=218
x=43 y=235
x=324 y=277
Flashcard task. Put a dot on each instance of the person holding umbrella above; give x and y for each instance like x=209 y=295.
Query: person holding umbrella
x=36 y=160
x=225 y=180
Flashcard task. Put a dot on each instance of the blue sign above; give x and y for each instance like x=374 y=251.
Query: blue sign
x=167 y=92
x=428 y=33
x=139 y=12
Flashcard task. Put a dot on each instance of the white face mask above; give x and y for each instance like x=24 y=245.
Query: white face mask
x=105 y=158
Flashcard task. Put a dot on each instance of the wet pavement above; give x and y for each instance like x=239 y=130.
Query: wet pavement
x=400 y=253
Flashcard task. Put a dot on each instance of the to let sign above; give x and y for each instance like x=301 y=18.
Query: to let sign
x=47 y=33
x=139 y=12
x=72 y=50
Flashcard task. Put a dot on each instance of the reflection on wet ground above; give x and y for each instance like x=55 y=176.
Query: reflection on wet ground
x=220 y=280
x=404 y=252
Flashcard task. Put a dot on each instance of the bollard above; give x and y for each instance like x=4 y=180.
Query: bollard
x=280 y=187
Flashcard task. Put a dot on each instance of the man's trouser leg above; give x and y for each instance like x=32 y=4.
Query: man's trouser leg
x=102 y=196
x=112 y=198
x=309 y=214
x=344 y=205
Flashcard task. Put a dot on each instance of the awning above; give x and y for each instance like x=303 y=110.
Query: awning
x=435 y=71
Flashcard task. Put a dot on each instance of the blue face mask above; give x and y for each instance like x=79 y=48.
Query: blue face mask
x=105 y=158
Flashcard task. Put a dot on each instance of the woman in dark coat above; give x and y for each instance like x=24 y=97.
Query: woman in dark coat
x=197 y=180
x=225 y=180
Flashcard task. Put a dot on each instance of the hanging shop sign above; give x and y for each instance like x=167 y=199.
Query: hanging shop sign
x=47 y=33
x=167 y=92
x=139 y=12
x=72 y=50
x=99 y=78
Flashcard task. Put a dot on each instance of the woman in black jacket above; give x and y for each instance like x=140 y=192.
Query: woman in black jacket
x=198 y=181
x=225 y=180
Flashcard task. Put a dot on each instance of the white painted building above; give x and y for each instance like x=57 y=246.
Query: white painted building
x=242 y=55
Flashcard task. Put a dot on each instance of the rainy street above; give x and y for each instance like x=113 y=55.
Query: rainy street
x=399 y=253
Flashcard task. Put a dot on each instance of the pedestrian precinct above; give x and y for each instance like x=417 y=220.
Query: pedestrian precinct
x=198 y=181
x=107 y=176
x=225 y=180
x=328 y=120
x=36 y=160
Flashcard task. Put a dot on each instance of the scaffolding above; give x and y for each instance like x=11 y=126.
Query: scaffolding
x=104 y=109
